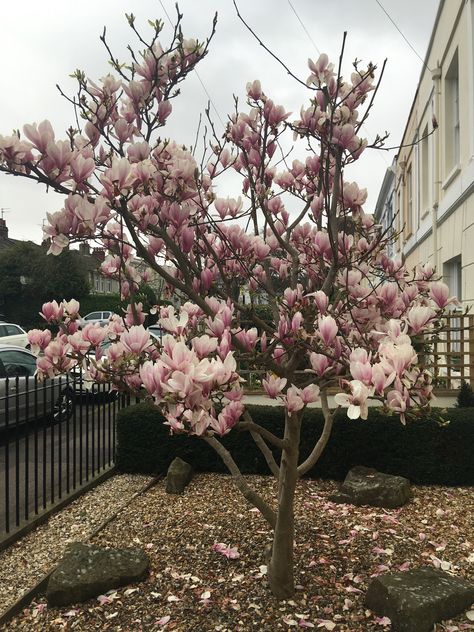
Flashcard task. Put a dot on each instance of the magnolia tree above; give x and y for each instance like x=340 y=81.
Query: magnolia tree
x=344 y=315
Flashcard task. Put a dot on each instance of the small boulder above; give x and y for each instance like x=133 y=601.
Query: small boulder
x=366 y=486
x=415 y=600
x=178 y=476
x=87 y=571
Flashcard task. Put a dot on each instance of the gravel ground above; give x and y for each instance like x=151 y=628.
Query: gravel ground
x=25 y=562
x=194 y=588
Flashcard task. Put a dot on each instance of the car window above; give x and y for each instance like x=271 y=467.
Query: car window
x=93 y=316
x=106 y=314
x=17 y=362
x=3 y=330
x=13 y=330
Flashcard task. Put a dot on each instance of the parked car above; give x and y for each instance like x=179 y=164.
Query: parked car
x=23 y=397
x=11 y=334
x=102 y=318
x=84 y=386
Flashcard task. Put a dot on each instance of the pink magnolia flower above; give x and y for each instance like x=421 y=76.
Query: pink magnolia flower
x=94 y=334
x=309 y=394
x=38 y=339
x=152 y=375
x=78 y=344
x=439 y=292
x=418 y=317
x=175 y=325
x=247 y=338
x=71 y=308
x=52 y=311
x=356 y=401
x=227 y=418
x=136 y=339
x=273 y=385
x=135 y=314
x=319 y=363
x=398 y=402
x=229 y=552
x=380 y=379
x=327 y=328
x=204 y=345
x=293 y=400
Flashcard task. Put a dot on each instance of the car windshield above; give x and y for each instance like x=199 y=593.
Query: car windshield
x=15 y=363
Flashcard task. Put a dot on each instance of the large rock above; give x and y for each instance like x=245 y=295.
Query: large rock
x=417 y=599
x=178 y=476
x=88 y=571
x=366 y=486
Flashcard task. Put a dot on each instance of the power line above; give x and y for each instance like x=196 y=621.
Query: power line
x=402 y=34
x=197 y=74
x=364 y=126
x=304 y=27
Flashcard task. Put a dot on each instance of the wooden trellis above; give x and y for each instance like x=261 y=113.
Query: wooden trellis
x=451 y=356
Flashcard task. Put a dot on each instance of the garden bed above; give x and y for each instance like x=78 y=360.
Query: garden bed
x=192 y=587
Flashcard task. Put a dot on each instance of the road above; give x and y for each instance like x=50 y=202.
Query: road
x=44 y=462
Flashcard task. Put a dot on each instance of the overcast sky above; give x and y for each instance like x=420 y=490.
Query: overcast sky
x=43 y=42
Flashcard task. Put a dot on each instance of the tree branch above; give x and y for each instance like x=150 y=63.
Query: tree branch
x=323 y=439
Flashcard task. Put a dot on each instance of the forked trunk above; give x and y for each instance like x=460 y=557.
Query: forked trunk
x=281 y=565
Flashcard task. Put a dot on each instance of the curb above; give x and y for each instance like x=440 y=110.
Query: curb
x=42 y=584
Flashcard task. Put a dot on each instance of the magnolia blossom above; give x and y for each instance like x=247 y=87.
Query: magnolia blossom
x=356 y=401
x=327 y=327
x=274 y=385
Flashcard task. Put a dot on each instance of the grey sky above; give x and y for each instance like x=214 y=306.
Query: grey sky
x=43 y=42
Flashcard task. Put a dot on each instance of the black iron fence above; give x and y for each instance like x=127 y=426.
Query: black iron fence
x=56 y=437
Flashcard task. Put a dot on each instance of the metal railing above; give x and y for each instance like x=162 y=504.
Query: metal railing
x=56 y=437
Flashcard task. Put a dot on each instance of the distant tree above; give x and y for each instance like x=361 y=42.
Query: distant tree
x=62 y=277
x=465 y=397
x=28 y=278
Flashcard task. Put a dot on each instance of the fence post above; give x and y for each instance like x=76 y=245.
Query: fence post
x=471 y=350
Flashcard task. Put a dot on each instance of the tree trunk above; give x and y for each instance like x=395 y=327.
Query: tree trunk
x=280 y=568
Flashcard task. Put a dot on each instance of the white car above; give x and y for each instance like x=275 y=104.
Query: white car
x=102 y=318
x=13 y=335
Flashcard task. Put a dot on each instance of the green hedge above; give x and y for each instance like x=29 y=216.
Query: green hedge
x=423 y=451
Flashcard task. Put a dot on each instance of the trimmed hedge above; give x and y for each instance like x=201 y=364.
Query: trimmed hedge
x=423 y=451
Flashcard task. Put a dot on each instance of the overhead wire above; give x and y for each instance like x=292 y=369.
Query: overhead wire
x=318 y=51
x=304 y=27
x=402 y=34
x=197 y=74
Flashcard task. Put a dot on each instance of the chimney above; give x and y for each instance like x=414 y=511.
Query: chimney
x=84 y=249
x=99 y=254
x=3 y=230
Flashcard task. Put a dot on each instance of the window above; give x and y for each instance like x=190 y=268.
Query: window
x=452 y=127
x=409 y=207
x=452 y=276
x=425 y=192
x=13 y=330
x=93 y=316
x=18 y=363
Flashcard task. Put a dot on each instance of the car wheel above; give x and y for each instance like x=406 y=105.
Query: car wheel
x=63 y=407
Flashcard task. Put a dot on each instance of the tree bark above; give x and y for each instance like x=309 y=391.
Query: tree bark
x=281 y=566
